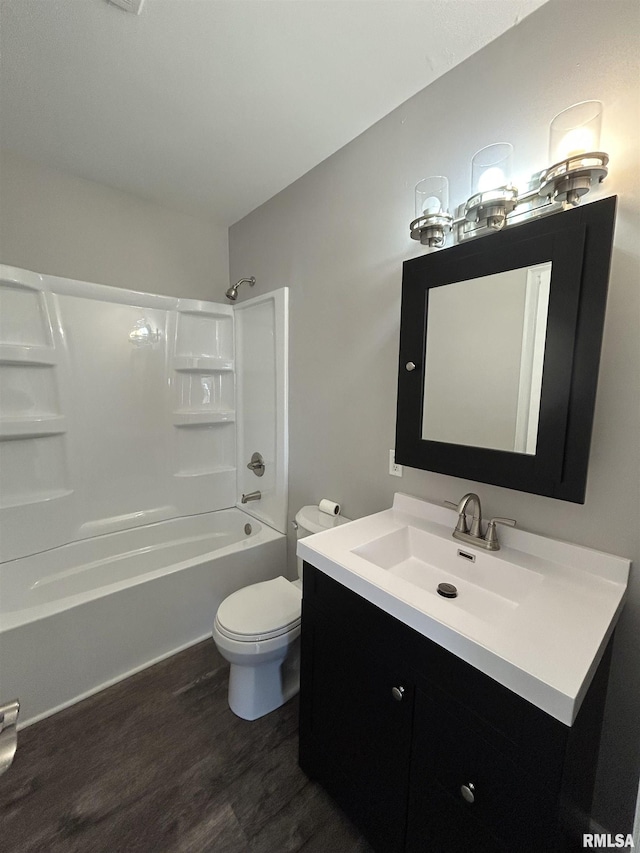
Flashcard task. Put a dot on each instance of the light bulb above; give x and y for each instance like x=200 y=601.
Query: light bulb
x=431 y=205
x=433 y=220
x=575 y=142
x=575 y=131
x=491 y=179
x=491 y=167
x=432 y=196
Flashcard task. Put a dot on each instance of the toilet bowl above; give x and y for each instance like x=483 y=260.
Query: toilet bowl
x=257 y=629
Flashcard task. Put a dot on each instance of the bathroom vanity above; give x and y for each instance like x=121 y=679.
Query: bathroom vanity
x=433 y=724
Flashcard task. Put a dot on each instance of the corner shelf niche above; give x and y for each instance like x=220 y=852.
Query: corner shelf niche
x=203 y=413
x=201 y=364
x=32 y=426
x=202 y=417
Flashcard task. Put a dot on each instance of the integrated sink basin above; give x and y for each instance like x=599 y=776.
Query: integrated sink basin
x=488 y=588
x=535 y=616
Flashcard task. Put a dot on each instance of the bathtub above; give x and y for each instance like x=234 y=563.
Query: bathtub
x=77 y=618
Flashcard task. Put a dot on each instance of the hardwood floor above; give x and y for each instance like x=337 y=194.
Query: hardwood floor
x=159 y=763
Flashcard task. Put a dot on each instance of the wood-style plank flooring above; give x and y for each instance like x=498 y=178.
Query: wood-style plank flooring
x=159 y=763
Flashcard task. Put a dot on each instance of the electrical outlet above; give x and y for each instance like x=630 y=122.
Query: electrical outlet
x=394 y=470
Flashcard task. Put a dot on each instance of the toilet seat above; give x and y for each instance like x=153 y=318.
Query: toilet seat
x=261 y=611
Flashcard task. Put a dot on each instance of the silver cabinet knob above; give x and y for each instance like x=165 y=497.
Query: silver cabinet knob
x=410 y=366
x=397 y=693
x=468 y=792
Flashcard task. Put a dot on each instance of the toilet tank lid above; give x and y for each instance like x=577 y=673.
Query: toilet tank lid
x=315 y=521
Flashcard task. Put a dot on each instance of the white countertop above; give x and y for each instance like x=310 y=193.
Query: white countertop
x=546 y=647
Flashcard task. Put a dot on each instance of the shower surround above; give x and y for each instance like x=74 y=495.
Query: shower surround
x=126 y=423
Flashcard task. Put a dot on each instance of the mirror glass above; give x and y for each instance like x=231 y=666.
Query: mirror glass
x=484 y=360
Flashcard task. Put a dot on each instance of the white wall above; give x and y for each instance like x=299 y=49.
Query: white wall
x=338 y=237
x=55 y=223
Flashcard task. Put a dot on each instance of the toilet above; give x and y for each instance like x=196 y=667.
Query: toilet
x=257 y=629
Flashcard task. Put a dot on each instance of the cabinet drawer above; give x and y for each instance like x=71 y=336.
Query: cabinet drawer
x=490 y=789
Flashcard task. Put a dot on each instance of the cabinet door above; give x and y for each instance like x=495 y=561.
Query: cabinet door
x=464 y=787
x=437 y=822
x=356 y=717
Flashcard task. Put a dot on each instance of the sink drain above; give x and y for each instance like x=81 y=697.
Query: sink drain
x=447 y=590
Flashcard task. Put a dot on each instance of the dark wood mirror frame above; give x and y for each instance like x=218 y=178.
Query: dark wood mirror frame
x=578 y=243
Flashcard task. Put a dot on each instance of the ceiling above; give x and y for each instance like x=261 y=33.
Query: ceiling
x=213 y=106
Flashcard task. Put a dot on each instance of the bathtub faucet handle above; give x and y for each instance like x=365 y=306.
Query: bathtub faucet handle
x=257 y=464
x=252 y=496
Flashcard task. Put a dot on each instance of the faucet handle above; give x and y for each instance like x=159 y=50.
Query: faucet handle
x=491 y=536
x=461 y=526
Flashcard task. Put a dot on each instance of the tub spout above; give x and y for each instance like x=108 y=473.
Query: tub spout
x=252 y=496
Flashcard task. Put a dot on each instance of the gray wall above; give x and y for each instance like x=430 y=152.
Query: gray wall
x=338 y=237
x=56 y=223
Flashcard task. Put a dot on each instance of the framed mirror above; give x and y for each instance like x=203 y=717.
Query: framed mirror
x=499 y=351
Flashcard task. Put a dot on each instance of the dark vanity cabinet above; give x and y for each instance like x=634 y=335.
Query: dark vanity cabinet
x=425 y=753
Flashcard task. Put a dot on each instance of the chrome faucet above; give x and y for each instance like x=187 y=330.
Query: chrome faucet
x=474 y=535
x=8 y=733
x=476 y=522
x=252 y=496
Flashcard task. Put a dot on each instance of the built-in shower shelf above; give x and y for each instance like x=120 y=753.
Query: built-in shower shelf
x=34 y=497
x=32 y=427
x=34 y=356
x=207 y=472
x=202 y=418
x=201 y=364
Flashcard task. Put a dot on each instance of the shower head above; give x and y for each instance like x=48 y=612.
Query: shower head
x=232 y=292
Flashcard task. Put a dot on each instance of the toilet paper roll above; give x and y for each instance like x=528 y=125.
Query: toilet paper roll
x=330 y=507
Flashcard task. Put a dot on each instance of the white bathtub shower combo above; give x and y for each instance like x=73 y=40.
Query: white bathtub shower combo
x=127 y=421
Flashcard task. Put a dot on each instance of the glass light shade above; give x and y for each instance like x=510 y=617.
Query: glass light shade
x=491 y=167
x=432 y=196
x=575 y=131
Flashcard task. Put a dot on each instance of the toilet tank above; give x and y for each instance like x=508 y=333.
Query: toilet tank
x=310 y=520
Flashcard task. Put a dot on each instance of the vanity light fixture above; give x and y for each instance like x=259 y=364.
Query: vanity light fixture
x=495 y=203
x=433 y=220
x=574 y=137
x=493 y=196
